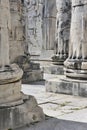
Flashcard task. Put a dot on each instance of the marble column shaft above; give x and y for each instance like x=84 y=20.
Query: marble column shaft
x=76 y=64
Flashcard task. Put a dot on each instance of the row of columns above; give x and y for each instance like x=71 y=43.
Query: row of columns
x=71 y=32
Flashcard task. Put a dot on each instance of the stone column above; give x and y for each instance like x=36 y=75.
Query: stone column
x=48 y=26
x=76 y=64
x=5 y=27
x=63 y=19
x=19 y=41
x=34 y=26
x=17 y=37
x=16 y=109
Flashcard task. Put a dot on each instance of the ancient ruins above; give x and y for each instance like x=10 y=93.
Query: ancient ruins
x=16 y=109
x=76 y=64
x=19 y=43
x=74 y=79
x=44 y=41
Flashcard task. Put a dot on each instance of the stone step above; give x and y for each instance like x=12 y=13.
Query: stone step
x=53 y=69
x=61 y=84
x=49 y=68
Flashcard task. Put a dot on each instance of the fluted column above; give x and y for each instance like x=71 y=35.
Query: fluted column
x=63 y=19
x=76 y=64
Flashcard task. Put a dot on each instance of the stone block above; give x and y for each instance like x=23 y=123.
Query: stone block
x=33 y=75
x=53 y=69
x=64 y=85
x=21 y=113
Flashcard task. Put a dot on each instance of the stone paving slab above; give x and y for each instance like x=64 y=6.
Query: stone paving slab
x=59 y=106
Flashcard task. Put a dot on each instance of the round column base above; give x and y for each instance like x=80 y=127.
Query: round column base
x=76 y=74
x=57 y=60
x=75 y=68
x=10 y=83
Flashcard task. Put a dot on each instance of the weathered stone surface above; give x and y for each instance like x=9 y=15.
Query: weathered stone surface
x=59 y=106
x=79 y=2
x=32 y=71
x=16 y=110
x=10 y=74
x=63 y=19
x=53 y=70
x=40 y=25
x=49 y=23
x=10 y=84
x=17 y=36
x=31 y=76
x=49 y=68
x=10 y=92
x=64 y=85
x=20 y=113
x=76 y=64
x=5 y=27
x=18 y=41
x=34 y=13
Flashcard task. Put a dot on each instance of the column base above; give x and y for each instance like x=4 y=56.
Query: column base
x=76 y=69
x=57 y=60
x=64 y=85
x=10 y=83
x=76 y=74
x=16 y=109
x=20 y=113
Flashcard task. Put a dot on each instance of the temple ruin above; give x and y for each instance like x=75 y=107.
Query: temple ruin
x=42 y=52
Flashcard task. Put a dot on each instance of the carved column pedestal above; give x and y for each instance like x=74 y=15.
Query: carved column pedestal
x=76 y=64
x=62 y=31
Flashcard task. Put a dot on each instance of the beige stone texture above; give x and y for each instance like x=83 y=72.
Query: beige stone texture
x=5 y=27
x=20 y=113
x=49 y=24
x=17 y=41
